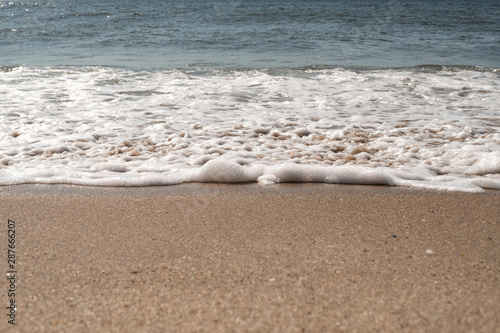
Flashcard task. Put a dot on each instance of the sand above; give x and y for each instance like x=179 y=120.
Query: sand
x=251 y=258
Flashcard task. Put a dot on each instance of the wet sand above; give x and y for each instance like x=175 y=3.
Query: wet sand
x=250 y=258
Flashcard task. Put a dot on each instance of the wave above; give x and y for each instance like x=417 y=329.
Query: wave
x=422 y=127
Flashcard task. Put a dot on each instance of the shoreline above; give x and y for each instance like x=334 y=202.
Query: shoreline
x=287 y=257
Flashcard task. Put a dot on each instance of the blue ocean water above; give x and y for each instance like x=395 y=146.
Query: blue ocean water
x=166 y=34
x=163 y=92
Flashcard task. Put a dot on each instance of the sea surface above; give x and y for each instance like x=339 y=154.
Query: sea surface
x=151 y=92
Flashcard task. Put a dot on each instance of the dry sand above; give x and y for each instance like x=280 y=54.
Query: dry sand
x=248 y=258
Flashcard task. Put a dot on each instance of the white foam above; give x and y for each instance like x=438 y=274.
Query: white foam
x=101 y=126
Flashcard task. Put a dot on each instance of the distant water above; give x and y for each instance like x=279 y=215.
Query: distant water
x=166 y=34
x=131 y=93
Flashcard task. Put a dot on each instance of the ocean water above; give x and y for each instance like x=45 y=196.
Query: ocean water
x=134 y=93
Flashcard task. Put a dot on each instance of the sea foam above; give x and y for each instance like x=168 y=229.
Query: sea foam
x=435 y=129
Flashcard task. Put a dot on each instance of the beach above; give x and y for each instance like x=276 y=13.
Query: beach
x=252 y=258
x=263 y=166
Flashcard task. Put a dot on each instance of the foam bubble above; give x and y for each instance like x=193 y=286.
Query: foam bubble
x=226 y=171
